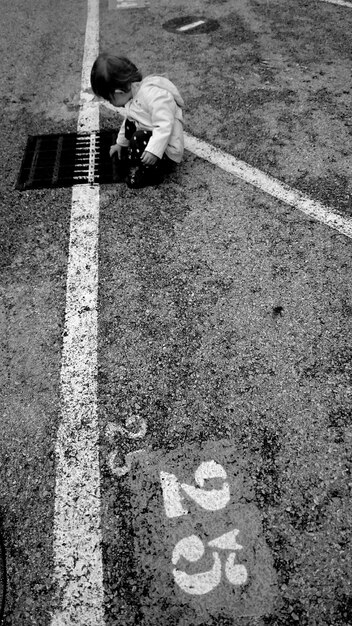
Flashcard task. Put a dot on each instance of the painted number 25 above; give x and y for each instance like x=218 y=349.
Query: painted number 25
x=191 y=548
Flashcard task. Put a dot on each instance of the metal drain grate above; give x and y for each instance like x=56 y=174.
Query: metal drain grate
x=66 y=160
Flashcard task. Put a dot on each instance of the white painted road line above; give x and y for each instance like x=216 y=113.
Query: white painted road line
x=262 y=181
x=342 y=3
x=190 y=26
x=78 y=570
x=269 y=185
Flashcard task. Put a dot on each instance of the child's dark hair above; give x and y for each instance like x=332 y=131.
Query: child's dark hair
x=111 y=72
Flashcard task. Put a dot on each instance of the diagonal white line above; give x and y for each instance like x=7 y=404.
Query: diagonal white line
x=77 y=533
x=341 y=3
x=264 y=182
x=269 y=185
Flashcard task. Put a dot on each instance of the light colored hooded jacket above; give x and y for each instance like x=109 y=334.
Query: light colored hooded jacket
x=156 y=105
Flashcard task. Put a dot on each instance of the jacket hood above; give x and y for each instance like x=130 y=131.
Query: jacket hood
x=165 y=83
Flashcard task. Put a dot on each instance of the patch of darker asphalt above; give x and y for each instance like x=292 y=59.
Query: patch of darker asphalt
x=150 y=595
x=339 y=419
x=289 y=24
x=332 y=189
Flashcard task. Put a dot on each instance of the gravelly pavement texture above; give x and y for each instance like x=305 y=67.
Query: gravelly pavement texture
x=214 y=326
x=271 y=85
x=224 y=319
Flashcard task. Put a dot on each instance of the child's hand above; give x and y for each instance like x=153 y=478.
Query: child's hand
x=115 y=148
x=148 y=158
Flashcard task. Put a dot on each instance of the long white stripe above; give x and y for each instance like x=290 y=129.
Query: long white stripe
x=342 y=3
x=270 y=185
x=77 y=532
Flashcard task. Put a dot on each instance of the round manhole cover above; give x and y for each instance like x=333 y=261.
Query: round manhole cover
x=191 y=24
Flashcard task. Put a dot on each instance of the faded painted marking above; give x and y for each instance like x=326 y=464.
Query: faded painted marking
x=124 y=469
x=342 y=3
x=78 y=570
x=130 y=430
x=190 y=26
x=269 y=185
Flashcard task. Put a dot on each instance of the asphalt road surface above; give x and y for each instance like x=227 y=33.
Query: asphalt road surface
x=222 y=387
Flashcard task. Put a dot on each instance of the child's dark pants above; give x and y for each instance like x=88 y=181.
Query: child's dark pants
x=141 y=175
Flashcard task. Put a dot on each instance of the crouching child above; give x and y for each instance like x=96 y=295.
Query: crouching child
x=150 y=141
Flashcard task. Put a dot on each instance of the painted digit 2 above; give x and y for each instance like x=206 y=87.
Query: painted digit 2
x=209 y=499
x=192 y=548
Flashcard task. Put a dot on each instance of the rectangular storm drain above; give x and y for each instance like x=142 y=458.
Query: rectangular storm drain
x=68 y=159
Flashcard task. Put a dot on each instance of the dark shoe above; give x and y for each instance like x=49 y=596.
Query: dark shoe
x=141 y=176
x=119 y=169
x=135 y=177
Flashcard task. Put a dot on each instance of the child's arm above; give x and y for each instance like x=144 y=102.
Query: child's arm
x=148 y=158
x=115 y=148
x=162 y=107
x=121 y=139
x=121 y=142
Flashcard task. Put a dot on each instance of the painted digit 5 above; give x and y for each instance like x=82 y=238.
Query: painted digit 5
x=192 y=549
